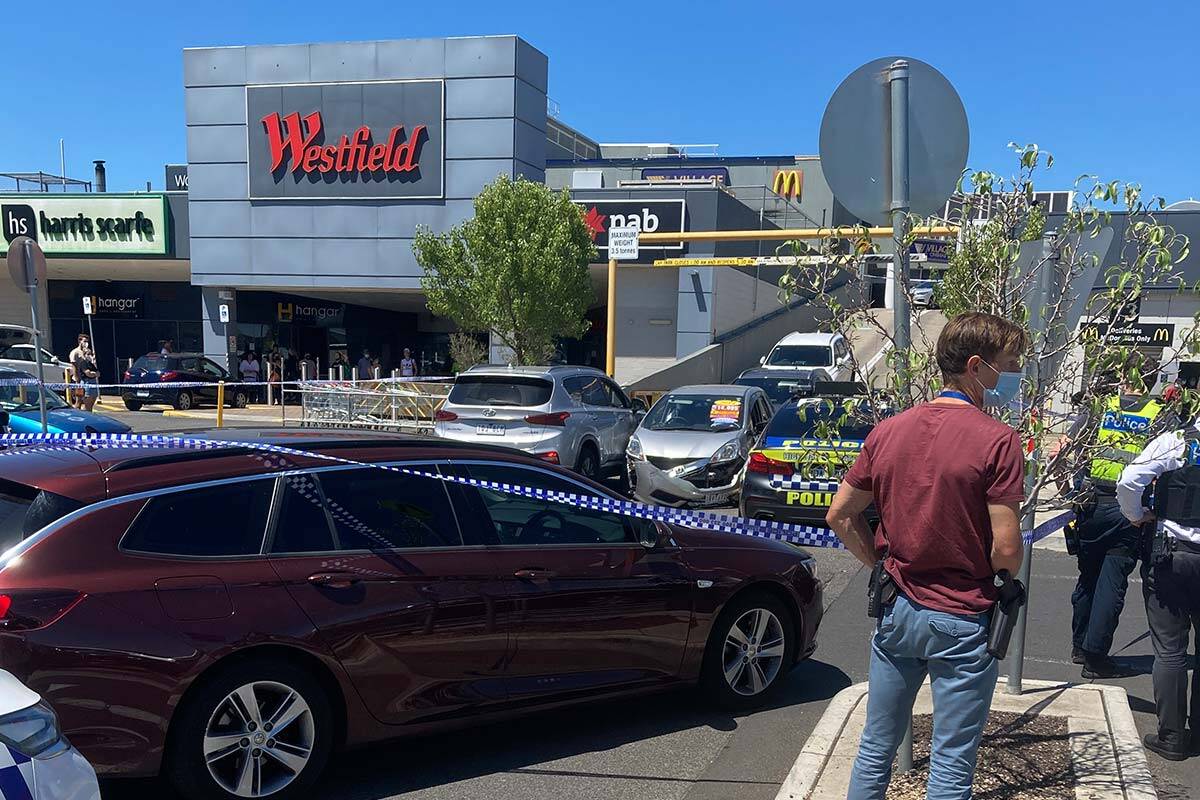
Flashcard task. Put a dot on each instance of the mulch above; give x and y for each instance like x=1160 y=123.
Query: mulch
x=1021 y=757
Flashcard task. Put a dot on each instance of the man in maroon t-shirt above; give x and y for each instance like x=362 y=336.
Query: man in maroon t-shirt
x=947 y=481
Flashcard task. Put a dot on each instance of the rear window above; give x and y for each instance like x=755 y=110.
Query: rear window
x=24 y=510
x=778 y=390
x=800 y=355
x=227 y=520
x=152 y=363
x=500 y=390
x=819 y=421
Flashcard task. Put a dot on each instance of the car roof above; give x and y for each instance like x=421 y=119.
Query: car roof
x=153 y=354
x=716 y=388
x=815 y=337
x=776 y=373
x=531 y=371
x=89 y=473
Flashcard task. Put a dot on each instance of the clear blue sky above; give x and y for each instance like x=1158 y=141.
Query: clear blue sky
x=1112 y=90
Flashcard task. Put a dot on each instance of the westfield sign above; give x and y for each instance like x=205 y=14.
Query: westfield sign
x=301 y=141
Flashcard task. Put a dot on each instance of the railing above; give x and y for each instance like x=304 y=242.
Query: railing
x=401 y=405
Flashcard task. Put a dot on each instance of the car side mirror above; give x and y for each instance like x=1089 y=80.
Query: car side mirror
x=649 y=533
x=762 y=360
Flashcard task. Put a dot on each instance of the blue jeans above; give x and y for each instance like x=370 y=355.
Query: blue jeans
x=910 y=642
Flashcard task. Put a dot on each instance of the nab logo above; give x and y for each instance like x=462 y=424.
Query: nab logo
x=18 y=220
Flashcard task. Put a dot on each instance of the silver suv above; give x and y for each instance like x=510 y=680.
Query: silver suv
x=575 y=416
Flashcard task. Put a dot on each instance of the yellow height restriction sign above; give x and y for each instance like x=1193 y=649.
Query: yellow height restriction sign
x=739 y=261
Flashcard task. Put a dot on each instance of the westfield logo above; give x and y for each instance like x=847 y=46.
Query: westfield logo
x=302 y=141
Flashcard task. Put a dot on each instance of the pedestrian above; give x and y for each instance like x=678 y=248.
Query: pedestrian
x=408 y=365
x=947 y=480
x=1170 y=579
x=1106 y=543
x=75 y=393
x=167 y=346
x=276 y=377
x=309 y=368
x=250 y=370
x=364 y=365
x=83 y=360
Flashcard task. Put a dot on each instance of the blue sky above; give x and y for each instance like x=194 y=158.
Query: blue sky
x=1112 y=89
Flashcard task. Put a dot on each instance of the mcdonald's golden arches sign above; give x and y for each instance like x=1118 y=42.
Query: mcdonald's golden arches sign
x=789 y=183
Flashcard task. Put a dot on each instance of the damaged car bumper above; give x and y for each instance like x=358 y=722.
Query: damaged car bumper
x=694 y=484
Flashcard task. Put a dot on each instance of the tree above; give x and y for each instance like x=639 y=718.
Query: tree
x=519 y=268
x=1003 y=259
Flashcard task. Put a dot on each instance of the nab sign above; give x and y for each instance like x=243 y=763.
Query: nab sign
x=645 y=216
x=347 y=141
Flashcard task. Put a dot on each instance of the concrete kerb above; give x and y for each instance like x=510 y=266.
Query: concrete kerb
x=1106 y=750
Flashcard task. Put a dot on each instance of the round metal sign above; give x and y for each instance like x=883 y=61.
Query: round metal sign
x=28 y=270
x=856 y=140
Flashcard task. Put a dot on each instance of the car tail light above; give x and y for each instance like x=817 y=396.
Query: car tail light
x=169 y=375
x=769 y=466
x=128 y=376
x=559 y=418
x=444 y=416
x=33 y=732
x=30 y=609
x=550 y=455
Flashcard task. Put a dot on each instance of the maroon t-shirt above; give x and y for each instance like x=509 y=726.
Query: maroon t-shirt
x=933 y=470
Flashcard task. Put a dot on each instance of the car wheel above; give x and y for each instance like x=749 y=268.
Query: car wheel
x=588 y=464
x=239 y=400
x=183 y=400
x=258 y=729
x=133 y=405
x=750 y=649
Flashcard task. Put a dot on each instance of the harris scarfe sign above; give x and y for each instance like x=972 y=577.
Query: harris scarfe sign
x=129 y=225
x=367 y=140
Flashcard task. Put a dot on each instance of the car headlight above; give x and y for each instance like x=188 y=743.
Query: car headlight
x=728 y=452
x=32 y=731
x=634 y=450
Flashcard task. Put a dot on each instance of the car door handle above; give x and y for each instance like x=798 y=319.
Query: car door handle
x=334 y=580
x=533 y=573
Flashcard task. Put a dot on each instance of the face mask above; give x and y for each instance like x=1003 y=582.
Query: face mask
x=1008 y=386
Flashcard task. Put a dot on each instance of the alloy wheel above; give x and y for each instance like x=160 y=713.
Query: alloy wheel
x=259 y=739
x=753 y=652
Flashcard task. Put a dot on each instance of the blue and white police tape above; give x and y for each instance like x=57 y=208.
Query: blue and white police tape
x=232 y=382
x=704 y=520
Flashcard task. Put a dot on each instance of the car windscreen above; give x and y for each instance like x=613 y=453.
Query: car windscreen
x=24 y=510
x=819 y=420
x=695 y=412
x=500 y=390
x=24 y=397
x=800 y=355
x=152 y=363
x=778 y=390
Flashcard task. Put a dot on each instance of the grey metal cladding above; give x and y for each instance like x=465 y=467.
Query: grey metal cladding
x=380 y=106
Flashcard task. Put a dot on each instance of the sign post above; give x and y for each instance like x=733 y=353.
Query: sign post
x=898 y=84
x=89 y=311
x=27 y=265
x=622 y=246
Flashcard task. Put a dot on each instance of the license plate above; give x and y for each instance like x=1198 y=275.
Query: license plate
x=716 y=497
x=142 y=394
x=489 y=429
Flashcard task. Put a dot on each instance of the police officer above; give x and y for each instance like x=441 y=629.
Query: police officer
x=1107 y=543
x=1171 y=578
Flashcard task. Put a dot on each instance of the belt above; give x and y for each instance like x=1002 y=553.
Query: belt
x=1183 y=546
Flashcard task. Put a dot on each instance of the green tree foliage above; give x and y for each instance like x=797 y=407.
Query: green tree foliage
x=518 y=268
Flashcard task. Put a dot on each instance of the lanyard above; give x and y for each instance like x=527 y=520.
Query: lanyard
x=956 y=395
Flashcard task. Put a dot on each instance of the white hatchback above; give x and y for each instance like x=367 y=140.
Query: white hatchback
x=826 y=354
x=36 y=760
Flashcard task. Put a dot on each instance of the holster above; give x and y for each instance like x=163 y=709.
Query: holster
x=1162 y=545
x=1083 y=508
x=1005 y=613
x=881 y=592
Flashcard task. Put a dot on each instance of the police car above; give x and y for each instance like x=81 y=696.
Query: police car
x=36 y=760
x=794 y=470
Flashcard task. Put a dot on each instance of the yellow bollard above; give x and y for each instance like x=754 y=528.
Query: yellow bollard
x=220 y=404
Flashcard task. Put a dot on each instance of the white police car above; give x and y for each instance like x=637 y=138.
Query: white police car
x=36 y=760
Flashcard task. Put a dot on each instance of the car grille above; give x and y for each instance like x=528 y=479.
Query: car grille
x=713 y=477
x=669 y=463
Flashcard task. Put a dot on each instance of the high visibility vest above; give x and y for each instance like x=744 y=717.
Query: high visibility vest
x=1123 y=435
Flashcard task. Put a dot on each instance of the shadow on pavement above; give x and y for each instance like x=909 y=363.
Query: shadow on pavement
x=518 y=746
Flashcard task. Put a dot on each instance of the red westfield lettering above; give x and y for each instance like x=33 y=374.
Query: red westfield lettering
x=301 y=139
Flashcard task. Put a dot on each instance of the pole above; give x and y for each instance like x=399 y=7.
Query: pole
x=611 y=329
x=220 y=404
x=898 y=84
x=37 y=336
x=904 y=757
x=95 y=352
x=1037 y=330
x=62 y=171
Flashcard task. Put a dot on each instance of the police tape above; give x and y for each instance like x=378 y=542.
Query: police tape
x=331 y=382
x=812 y=536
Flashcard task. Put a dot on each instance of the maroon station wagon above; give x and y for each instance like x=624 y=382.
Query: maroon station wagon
x=229 y=617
